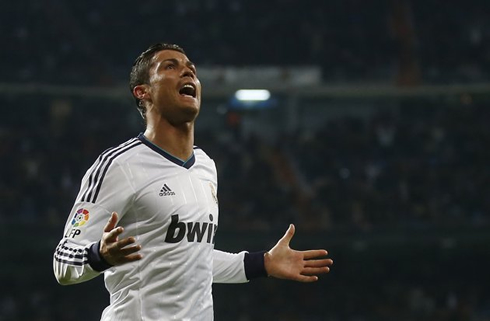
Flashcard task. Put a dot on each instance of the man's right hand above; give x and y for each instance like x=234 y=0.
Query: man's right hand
x=115 y=251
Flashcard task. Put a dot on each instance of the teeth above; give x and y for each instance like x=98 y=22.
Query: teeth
x=188 y=90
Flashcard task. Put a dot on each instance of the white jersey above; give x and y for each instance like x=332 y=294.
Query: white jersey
x=171 y=207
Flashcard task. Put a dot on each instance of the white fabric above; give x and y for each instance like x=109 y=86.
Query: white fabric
x=151 y=193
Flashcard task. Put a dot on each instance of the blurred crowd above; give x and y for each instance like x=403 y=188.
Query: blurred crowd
x=362 y=290
x=421 y=167
x=425 y=165
x=94 y=42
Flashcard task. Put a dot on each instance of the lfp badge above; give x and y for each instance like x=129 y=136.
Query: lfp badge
x=80 y=218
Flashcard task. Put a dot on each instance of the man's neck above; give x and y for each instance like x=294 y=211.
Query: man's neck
x=178 y=141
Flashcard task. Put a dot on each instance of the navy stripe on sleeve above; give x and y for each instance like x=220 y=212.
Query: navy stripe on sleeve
x=71 y=256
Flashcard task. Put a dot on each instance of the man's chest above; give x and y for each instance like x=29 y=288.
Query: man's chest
x=184 y=197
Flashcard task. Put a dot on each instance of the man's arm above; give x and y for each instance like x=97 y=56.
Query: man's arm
x=280 y=262
x=77 y=258
x=75 y=263
x=90 y=242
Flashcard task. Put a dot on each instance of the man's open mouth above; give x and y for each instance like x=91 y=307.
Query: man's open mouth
x=188 y=89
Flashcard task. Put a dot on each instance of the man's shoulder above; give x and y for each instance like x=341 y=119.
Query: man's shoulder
x=200 y=153
x=106 y=168
x=113 y=155
x=127 y=148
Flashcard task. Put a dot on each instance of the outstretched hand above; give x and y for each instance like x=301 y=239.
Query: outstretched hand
x=304 y=266
x=115 y=251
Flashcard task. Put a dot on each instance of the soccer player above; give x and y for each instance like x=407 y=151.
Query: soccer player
x=147 y=211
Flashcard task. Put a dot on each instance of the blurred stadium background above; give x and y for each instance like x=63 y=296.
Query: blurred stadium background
x=375 y=143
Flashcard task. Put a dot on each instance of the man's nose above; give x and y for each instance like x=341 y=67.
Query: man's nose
x=187 y=72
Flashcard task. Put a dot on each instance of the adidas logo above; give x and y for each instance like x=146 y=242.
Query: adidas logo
x=166 y=191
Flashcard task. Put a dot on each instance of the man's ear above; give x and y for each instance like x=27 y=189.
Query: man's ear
x=141 y=92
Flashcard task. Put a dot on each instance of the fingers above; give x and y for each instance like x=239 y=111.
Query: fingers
x=120 y=246
x=112 y=222
x=125 y=242
x=304 y=266
x=307 y=278
x=111 y=237
x=112 y=232
x=313 y=271
x=120 y=252
x=132 y=258
x=313 y=254
x=310 y=274
x=115 y=251
x=288 y=235
x=123 y=249
x=318 y=263
x=127 y=251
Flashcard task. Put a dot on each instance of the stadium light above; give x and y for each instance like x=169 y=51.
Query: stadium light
x=252 y=95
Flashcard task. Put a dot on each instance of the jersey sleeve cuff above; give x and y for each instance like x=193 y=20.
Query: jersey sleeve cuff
x=96 y=260
x=254 y=265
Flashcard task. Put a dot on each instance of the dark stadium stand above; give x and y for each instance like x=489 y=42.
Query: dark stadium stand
x=355 y=40
x=397 y=190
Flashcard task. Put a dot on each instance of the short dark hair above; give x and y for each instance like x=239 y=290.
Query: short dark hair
x=140 y=73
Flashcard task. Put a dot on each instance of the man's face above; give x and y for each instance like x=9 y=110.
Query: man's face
x=175 y=90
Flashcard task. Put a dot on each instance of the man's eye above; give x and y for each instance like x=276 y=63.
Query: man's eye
x=170 y=66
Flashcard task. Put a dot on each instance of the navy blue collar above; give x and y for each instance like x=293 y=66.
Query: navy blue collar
x=184 y=163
